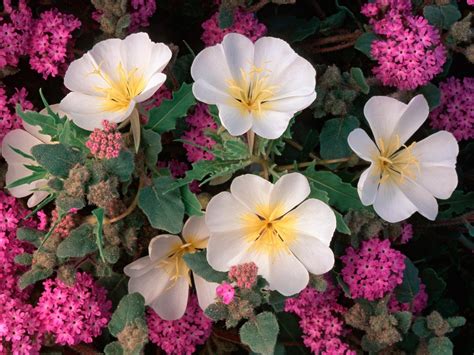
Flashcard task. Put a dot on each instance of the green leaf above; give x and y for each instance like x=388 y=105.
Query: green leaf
x=432 y=94
x=34 y=275
x=151 y=142
x=332 y=22
x=333 y=137
x=440 y=346
x=226 y=15
x=292 y=28
x=420 y=328
x=122 y=166
x=27 y=179
x=260 y=334
x=163 y=118
x=197 y=262
x=404 y=321
x=341 y=225
x=130 y=308
x=410 y=286
x=192 y=206
x=457 y=204
x=364 y=43
x=30 y=235
x=164 y=210
x=57 y=159
x=455 y=322
x=24 y=259
x=443 y=16
x=73 y=135
x=234 y=149
x=113 y=348
x=290 y=330
x=99 y=239
x=342 y=195
x=79 y=243
x=277 y=301
x=49 y=124
x=435 y=285
x=358 y=75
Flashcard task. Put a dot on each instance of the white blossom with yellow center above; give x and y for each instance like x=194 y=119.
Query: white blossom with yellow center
x=109 y=80
x=257 y=86
x=270 y=225
x=163 y=278
x=403 y=179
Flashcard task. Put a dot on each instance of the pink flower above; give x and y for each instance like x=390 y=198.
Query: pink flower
x=106 y=143
x=416 y=307
x=141 y=11
x=9 y=119
x=225 y=292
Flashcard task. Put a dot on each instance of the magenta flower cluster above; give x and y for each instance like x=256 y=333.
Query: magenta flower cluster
x=244 y=23
x=9 y=119
x=74 y=314
x=45 y=40
x=456 y=111
x=198 y=122
x=373 y=270
x=141 y=11
x=321 y=320
x=416 y=307
x=106 y=143
x=181 y=336
x=406 y=233
x=409 y=51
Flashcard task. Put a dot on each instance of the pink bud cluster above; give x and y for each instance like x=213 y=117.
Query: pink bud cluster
x=106 y=143
x=225 y=292
x=409 y=51
x=245 y=275
x=65 y=226
x=244 y=23
x=180 y=336
x=373 y=270
x=321 y=320
x=74 y=314
x=46 y=40
x=199 y=121
x=456 y=111
x=9 y=119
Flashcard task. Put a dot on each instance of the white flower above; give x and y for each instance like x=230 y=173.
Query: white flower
x=257 y=86
x=162 y=277
x=24 y=140
x=270 y=225
x=112 y=77
x=403 y=179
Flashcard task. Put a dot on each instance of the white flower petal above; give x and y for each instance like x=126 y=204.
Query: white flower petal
x=195 y=231
x=383 y=114
x=80 y=76
x=314 y=255
x=139 y=267
x=271 y=124
x=314 y=218
x=171 y=303
x=239 y=53
x=391 y=203
x=35 y=132
x=224 y=213
x=298 y=79
x=440 y=181
x=205 y=92
x=439 y=149
x=159 y=58
x=236 y=121
x=274 y=54
x=252 y=191
x=291 y=104
x=289 y=191
x=107 y=56
x=362 y=145
x=412 y=118
x=37 y=196
x=161 y=245
x=150 y=284
x=212 y=58
x=22 y=140
x=154 y=83
x=226 y=249
x=422 y=199
x=368 y=185
x=287 y=274
x=205 y=290
x=135 y=52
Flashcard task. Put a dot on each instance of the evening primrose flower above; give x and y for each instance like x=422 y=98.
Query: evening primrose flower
x=256 y=87
x=109 y=80
x=270 y=225
x=403 y=179
x=163 y=278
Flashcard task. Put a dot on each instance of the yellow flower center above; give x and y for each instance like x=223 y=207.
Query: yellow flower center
x=269 y=231
x=395 y=163
x=252 y=92
x=174 y=263
x=121 y=91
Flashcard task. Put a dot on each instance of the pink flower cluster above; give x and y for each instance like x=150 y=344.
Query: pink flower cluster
x=106 y=143
x=320 y=320
x=456 y=111
x=416 y=307
x=180 y=336
x=9 y=119
x=199 y=121
x=245 y=275
x=20 y=330
x=373 y=270
x=409 y=52
x=141 y=11
x=45 y=40
x=74 y=314
x=407 y=233
x=244 y=23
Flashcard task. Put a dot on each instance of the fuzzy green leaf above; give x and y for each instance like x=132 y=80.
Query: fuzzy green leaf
x=152 y=145
x=260 y=334
x=163 y=118
x=226 y=15
x=432 y=94
x=440 y=346
x=99 y=238
x=164 y=208
x=34 y=275
x=30 y=235
x=197 y=262
x=443 y=16
x=113 y=348
x=358 y=75
x=455 y=322
x=457 y=204
x=341 y=225
x=364 y=43
x=73 y=135
x=435 y=285
x=404 y=321
x=217 y=311
x=292 y=28
x=192 y=206
x=333 y=137
x=130 y=308
x=49 y=124
x=79 y=243
x=122 y=166
x=410 y=286
x=57 y=159
x=24 y=259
